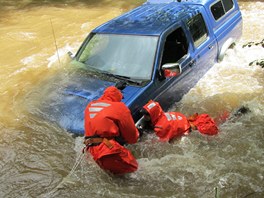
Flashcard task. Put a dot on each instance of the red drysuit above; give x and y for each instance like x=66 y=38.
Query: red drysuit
x=173 y=124
x=109 y=118
x=167 y=125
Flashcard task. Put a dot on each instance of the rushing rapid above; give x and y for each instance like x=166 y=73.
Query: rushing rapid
x=39 y=159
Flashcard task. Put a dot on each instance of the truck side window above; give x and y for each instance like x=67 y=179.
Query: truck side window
x=198 y=29
x=175 y=47
x=221 y=7
x=228 y=4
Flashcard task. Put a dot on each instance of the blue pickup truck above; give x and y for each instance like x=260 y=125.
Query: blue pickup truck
x=159 y=50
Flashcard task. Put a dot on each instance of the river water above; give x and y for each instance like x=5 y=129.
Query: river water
x=38 y=159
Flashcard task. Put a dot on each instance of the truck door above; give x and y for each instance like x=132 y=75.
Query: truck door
x=204 y=43
x=175 y=49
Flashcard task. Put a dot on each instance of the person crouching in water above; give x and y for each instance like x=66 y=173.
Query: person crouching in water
x=107 y=121
x=169 y=125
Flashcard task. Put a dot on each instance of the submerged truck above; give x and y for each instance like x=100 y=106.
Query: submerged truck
x=159 y=50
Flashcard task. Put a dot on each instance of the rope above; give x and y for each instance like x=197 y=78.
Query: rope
x=60 y=185
x=77 y=162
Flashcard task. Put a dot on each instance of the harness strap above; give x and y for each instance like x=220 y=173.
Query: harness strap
x=94 y=141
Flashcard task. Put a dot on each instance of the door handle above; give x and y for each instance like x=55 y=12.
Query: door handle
x=210 y=47
x=192 y=63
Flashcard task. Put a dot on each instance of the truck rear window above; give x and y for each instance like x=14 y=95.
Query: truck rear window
x=220 y=8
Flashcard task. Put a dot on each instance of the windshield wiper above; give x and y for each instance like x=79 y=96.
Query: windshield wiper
x=124 y=78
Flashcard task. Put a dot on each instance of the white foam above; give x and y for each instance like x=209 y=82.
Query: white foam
x=28 y=60
x=85 y=26
x=62 y=52
x=22 y=36
x=233 y=74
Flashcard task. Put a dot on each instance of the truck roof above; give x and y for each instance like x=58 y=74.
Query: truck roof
x=151 y=18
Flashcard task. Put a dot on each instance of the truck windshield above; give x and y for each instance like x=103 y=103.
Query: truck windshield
x=125 y=55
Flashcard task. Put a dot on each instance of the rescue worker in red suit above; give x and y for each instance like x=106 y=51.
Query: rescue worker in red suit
x=106 y=120
x=169 y=125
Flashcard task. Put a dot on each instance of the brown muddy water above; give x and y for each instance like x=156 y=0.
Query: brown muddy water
x=37 y=158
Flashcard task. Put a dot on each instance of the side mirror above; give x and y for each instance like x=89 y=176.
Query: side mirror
x=70 y=54
x=171 y=69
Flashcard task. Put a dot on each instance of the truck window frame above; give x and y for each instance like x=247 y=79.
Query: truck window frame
x=175 y=46
x=198 y=29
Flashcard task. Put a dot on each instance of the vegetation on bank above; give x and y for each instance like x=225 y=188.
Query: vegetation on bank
x=259 y=62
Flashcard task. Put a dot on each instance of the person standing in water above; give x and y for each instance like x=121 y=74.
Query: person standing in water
x=108 y=125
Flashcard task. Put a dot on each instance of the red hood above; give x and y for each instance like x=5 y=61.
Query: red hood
x=112 y=94
x=154 y=110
